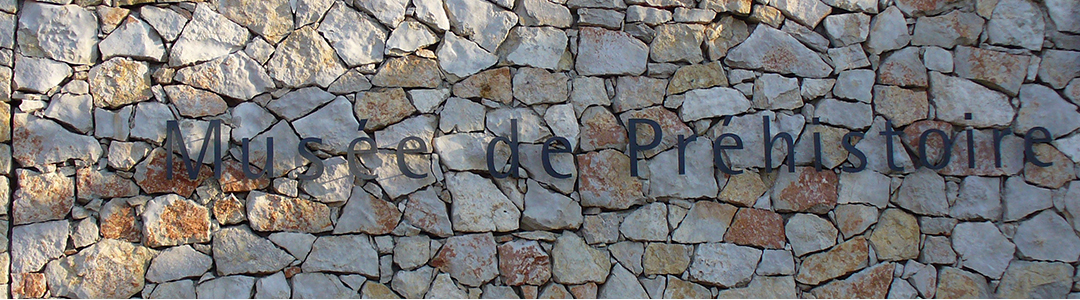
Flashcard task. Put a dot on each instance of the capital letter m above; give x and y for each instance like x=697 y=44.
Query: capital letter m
x=175 y=138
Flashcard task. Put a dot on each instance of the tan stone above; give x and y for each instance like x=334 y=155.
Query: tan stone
x=233 y=179
x=41 y=197
x=670 y=126
x=681 y=289
x=170 y=220
x=662 y=258
x=998 y=70
x=706 y=221
x=872 y=283
x=935 y=146
x=1054 y=176
x=382 y=107
x=954 y=283
x=899 y=105
x=408 y=72
x=27 y=285
x=108 y=269
x=492 y=84
x=699 y=76
x=841 y=260
x=600 y=130
x=268 y=212
x=271 y=19
x=229 y=210
x=725 y=34
x=605 y=181
x=535 y=86
x=97 y=184
x=119 y=81
x=896 y=236
x=743 y=189
x=634 y=92
x=1012 y=155
x=119 y=221
x=757 y=227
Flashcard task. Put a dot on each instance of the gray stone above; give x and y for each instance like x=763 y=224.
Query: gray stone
x=296 y=243
x=366 y=213
x=724 y=265
x=648 y=15
x=470 y=258
x=776 y=262
x=1022 y=199
x=178 y=263
x=443 y=287
x=426 y=211
x=902 y=68
x=413 y=284
x=937 y=59
x=946 y=31
x=248 y=120
x=764 y=287
x=543 y=13
x=486 y=208
x=760 y=50
x=979 y=199
x=982 y=248
x=749 y=127
x=285 y=158
x=319 y=286
x=334 y=123
x=621 y=284
x=540 y=47
x=272 y=287
x=357 y=39
x=73 y=111
x=307 y=12
x=1040 y=106
x=208 y=36
x=855 y=85
x=677 y=42
x=953 y=97
x=808 y=233
x=411 y=252
x=1057 y=68
x=847 y=29
x=648 y=223
x=867 y=187
x=352 y=254
x=547 y=210
x=1047 y=236
x=851 y=115
x=237 y=250
x=606 y=52
x=806 y=12
x=574 y=262
x=772 y=91
x=408 y=38
x=298 y=103
x=923 y=192
x=847 y=58
x=1064 y=13
x=709 y=103
x=1016 y=23
x=998 y=70
x=174 y=290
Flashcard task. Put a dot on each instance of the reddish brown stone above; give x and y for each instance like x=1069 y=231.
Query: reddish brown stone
x=233 y=179
x=151 y=175
x=600 y=130
x=806 y=190
x=605 y=180
x=935 y=146
x=268 y=212
x=491 y=84
x=584 y=291
x=104 y=185
x=524 y=262
x=170 y=220
x=118 y=221
x=841 y=260
x=529 y=291
x=1056 y=175
x=229 y=210
x=291 y=271
x=757 y=227
x=27 y=285
x=670 y=126
x=42 y=197
x=872 y=283
x=468 y=258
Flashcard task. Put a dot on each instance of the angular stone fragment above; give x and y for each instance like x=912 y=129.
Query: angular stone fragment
x=757 y=227
x=847 y=29
x=873 y=282
x=1047 y=236
x=305 y=58
x=547 y=210
x=237 y=250
x=764 y=287
x=1016 y=23
x=923 y=192
x=37 y=74
x=705 y=222
x=605 y=181
x=805 y=190
x=409 y=72
x=1023 y=199
x=948 y=30
x=574 y=262
x=982 y=248
x=480 y=206
x=621 y=284
x=724 y=265
x=209 y=35
x=1054 y=176
x=481 y=21
x=648 y=223
x=953 y=97
x=723 y=35
x=382 y=107
x=177 y=263
x=536 y=86
x=699 y=76
x=367 y=214
x=999 y=70
x=845 y=258
x=899 y=105
x=540 y=47
x=806 y=12
x=523 y=262
x=166 y=22
x=134 y=39
x=269 y=212
x=462 y=57
x=896 y=236
x=344 y=254
x=41 y=197
x=170 y=220
x=772 y=91
x=776 y=51
x=66 y=33
x=709 y=103
x=471 y=259
x=808 y=233
x=918 y=8
x=851 y=115
x=494 y=84
x=1024 y=279
x=235 y=75
x=902 y=68
x=108 y=269
x=606 y=52
x=677 y=42
x=750 y=127
x=956 y=283
x=888 y=31
x=34 y=245
x=119 y=81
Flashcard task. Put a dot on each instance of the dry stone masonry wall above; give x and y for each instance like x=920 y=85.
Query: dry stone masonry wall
x=90 y=85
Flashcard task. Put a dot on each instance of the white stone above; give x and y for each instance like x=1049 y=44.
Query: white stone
x=178 y=263
x=133 y=39
x=389 y=12
x=851 y=115
x=409 y=37
x=724 y=265
x=357 y=39
x=166 y=22
x=39 y=74
x=334 y=123
x=66 y=33
x=235 y=75
x=344 y=254
x=481 y=21
x=461 y=57
x=481 y=206
x=540 y=47
x=208 y=36
x=710 y=103
x=606 y=52
x=33 y=245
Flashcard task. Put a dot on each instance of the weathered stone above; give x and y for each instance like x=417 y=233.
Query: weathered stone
x=574 y=262
x=194 y=103
x=178 y=263
x=764 y=287
x=66 y=33
x=709 y=103
x=171 y=220
x=133 y=39
x=845 y=258
x=699 y=76
x=666 y=258
x=297 y=244
x=408 y=38
x=741 y=7
x=648 y=223
x=1047 y=236
x=1023 y=199
x=923 y=192
x=481 y=21
x=751 y=129
x=602 y=228
x=108 y=269
x=37 y=74
x=648 y=15
x=336 y=183
x=743 y=189
x=269 y=212
x=237 y=250
x=1025 y=279
x=621 y=284
x=409 y=71
x=481 y=206
x=357 y=38
x=757 y=227
x=174 y=289
x=848 y=58
x=875 y=146
x=724 y=265
x=235 y=75
x=956 y=283
x=772 y=91
x=632 y=92
x=999 y=70
x=920 y=8
x=226 y=286
x=851 y=115
x=899 y=105
x=540 y=47
x=705 y=222
x=492 y=84
x=902 y=68
x=461 y=57
x=979 y=198
x=382 y=107
x=605 y=181
x=537 y=86
x=343 y=253
x=1040 y=106
x=896 y=236
x=390 y=13
x=1016 y=23
x=547 y=210
x=697 y=180
x=982 y=248
x=805 y=190
x=948 y=30
x=937 y=59
x=1054 y=176
x=870 y=283
x=854 y=219
x=806 y=12
x=413 y=284
x=41 y=197
x=523 y=262
x=34 y=245
x=305 y=58
x=208 y=35
x=847 y=29
x=166 y=22
x=677 y=42
x=319 y=285
x=471 y=259
x=119 y=81
x=725 y=34
x=367 y=214
x=776 y=51
x=389 y=176
x=606 y=52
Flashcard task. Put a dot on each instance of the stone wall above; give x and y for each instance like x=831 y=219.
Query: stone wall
x=91 y=84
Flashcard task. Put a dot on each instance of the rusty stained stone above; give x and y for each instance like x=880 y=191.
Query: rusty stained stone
x=93 y=184
x=1054 y=176
x=584 y=291
x=151 y=175
x=170 y=220
x=871 y=283
x=935 y=146
x=268 y=212
x=1012 y=155
x=118 y=221
x=229 y=210
x=492 y=84
x=954 y=283
x=841 y=260
x=471 y=258
x=757 y=227
x=806 y=190
x=524 y=263
x=670 y=126
x=233 y=179
x=917 y=8
x=660 y=258
x=999 y=70
x=409 y=71
x=27 y=285
x=41 y=197
x=605 y=181
x=382 y=107
x=600 y=130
